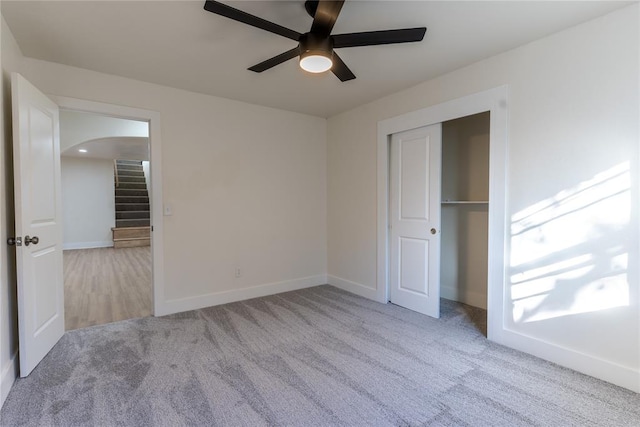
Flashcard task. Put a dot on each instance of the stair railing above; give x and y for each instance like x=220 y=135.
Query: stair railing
x=115 y=172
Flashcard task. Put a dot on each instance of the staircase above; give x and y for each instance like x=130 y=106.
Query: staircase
x=132 y=206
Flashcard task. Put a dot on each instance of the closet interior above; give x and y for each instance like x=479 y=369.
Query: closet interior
x=465 y=205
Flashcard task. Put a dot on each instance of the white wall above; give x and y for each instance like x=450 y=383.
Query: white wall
x=146 y=168
x=8 y=320
x=573 y=119
x=88 y=202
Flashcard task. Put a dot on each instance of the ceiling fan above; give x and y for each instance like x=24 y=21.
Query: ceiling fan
x=316 y=48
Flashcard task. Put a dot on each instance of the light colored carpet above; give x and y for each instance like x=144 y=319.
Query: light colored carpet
x=313 y=357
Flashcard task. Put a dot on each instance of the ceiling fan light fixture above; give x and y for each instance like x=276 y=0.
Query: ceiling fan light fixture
x=316 y=53
x=316 y=62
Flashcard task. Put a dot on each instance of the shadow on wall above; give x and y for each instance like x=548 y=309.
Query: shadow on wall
x=570 y=253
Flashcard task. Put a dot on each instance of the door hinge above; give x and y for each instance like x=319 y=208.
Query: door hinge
x=14 y=241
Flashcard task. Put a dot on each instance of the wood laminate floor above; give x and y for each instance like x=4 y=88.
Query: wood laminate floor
x=105 y=285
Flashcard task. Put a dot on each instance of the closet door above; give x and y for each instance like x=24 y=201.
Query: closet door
x=415 y=219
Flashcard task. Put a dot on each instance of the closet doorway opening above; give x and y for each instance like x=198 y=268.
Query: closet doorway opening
x=439 y=198
x=464 y=241
x=454 y=193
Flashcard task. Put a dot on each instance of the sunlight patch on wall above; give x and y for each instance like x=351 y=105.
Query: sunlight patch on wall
x=569 y=253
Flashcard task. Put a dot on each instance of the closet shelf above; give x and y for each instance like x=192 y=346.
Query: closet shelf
x=465 y=202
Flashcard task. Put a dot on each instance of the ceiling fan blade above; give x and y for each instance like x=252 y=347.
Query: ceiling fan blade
x=325 y=17
x=371 y=38
x=240 y=16
x=341 y=70
x=276 y=60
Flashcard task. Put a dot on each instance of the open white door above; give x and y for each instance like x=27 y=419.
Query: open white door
x=415 y=219
x=36 y=159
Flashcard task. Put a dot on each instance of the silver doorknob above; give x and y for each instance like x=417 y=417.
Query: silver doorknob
x=14 y=241
x=433 y=231
x=28 y=240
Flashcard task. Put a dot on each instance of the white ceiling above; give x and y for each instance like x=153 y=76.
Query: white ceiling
x=112 y=148
x=179 y=44
x=102 y=137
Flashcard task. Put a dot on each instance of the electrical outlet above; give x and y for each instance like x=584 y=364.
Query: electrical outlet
x=238 y=272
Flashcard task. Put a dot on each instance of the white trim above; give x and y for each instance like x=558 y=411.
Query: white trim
x=155 y=148
x=637 y=388
x=9 y=375
x=603 y=369
x=495 y=101
x=217 y=298
x=353 y=287
x=87 y=245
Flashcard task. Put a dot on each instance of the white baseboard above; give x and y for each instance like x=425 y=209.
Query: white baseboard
x=475 y=299
x=9 y=375
x=208 y=300
x=353 y=287
x=598 y=368
x=87 y=245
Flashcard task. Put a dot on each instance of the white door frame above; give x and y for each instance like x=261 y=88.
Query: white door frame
x=494 y=101
x=155 y=158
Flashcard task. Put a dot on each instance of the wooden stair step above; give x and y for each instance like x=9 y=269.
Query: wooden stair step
x=132 y=200
x=132 y=206
x=130 y=223
x=133 y=214
x=133 y=185
x=128 y=162
x=131 y=243
x=130 y=179
x=124 y=233
x=131 y=192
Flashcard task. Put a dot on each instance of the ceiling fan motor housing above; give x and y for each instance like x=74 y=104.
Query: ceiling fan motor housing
x=313 y=44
